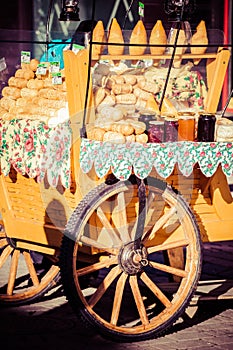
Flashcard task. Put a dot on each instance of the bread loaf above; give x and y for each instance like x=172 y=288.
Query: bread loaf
x=24 y=73
x=115 y=36
x=33 y=64
x=17 y=82
x=30 y=93
x=200 y=37
x=7 y=102
x=139 y=37
x=115 y=137
x=12 y=92
x=142 y=138
x=96 y=134
x=126 y=99
x=118 y=89
x=98 y=36
x=158 y=37
x=35 y=84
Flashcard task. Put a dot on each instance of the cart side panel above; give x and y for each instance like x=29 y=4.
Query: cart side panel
x=210 y=200
x=216 y=72
x=76 y=72
x=34 y=212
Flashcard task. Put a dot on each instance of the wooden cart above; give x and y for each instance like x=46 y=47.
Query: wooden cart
x=129 y=252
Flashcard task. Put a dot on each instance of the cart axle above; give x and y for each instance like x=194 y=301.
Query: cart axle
x=132 y=260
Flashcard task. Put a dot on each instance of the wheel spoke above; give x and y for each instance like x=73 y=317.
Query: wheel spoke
x=149 y=214
x=150 y=210
x=3 y=242
x=97 y=266
x=169 y=269
x=104 y=286
x=6 y=252
x=138 y=300
x=166 y=246
x=93 y=243
x=157 y=292
x=119 y=218
x=13 y=272
x=111 y=231
x=31 y=268
x=160 y=223
x=118 y=298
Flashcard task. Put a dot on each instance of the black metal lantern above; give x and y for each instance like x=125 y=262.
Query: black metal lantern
x=70 y=10
x=179 y=10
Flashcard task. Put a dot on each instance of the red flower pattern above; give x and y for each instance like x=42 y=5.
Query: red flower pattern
x=29 y=146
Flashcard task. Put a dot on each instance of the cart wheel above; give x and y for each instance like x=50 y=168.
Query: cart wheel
x=127 y=292
x=21 y=279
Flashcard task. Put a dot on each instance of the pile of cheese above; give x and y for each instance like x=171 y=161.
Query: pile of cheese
x=121 y=96
x=32 y=96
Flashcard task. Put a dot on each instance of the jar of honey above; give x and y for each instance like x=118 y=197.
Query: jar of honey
x=186 y=127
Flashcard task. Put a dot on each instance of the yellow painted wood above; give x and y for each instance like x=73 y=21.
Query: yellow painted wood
x=38 y=248
x=149 y=56
x=217 y=231
x=221 y=196
x=216 y=74
x=13 y=271
x=31 y=268
x=76 y=72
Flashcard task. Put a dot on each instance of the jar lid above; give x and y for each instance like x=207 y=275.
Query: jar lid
x=167 y=119
x=186 y=113
x=202 y=113
x=156 y=122
x=187 y=117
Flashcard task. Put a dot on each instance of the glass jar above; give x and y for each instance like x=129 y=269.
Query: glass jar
x=156 y=131
x=170 y=130
x=186 y=128
x=206 y=128
x=147 y=118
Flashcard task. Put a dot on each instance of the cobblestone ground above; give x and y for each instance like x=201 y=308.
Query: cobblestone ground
x=207 y=324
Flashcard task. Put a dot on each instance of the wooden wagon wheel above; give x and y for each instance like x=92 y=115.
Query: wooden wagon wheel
x=123 y=290
x=21 y=279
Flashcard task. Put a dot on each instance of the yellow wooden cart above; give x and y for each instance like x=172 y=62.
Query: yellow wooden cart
x=129 y=252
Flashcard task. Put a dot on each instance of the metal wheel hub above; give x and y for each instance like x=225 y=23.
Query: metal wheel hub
x=131 y=259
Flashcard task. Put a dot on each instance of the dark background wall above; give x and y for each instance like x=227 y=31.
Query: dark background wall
x=18 y=14
x=209 y=10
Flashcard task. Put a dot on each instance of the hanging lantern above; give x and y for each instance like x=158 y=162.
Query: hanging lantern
x=174 y=9
x=70 y=11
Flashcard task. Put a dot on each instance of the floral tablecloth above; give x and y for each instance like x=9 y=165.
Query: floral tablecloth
x=122 y=159
x=33 y=148
x=187 y=88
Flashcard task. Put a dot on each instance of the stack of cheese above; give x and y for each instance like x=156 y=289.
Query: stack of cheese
x=130 y=89
x=32 y=96
x=120 y=98
x=112 y=125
